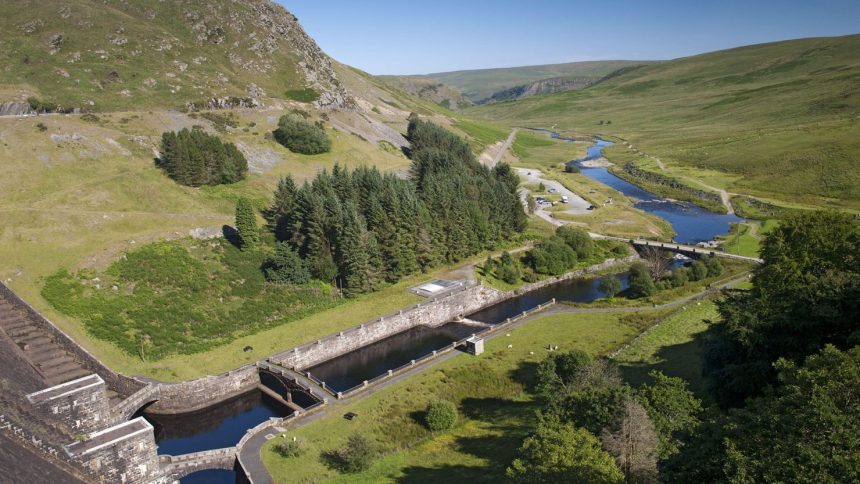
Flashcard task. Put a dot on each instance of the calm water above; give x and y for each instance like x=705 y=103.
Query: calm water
x=375 y=359
x=216 y=476
x=222 y=425
x=572 y=290
x=692 y=224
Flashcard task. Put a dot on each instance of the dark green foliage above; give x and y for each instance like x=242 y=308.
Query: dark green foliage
x=680 y=277
x=163 y=301
x=577 y=239
x=610 y=285
x=561 y=453
x=571 y=168
x=673 y=409
x=41 y=127
x=698 y=271
x=246 y=223
x=593 y=407
x=286 y=267
x=302 y=136
x=641 y=284
x=41 y=106
x=715 y=267
x=441 y=415
x=805 y=295
x=306 y=95
x=507 y=269
x=558 y=370
x=194 y=158
x=357 y=456
x=804 y=429
x=361 y=229
x=552 y=256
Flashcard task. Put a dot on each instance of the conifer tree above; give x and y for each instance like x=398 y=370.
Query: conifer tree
x=246 y=223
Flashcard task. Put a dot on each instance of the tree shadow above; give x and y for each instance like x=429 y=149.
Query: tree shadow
x=683 y=360
x=525 y=374
x=232 y=235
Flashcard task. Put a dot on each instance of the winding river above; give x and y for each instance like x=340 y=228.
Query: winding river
x=692 y=224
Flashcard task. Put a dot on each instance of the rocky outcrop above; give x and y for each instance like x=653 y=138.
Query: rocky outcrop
x=15 y=109
x=545 y=86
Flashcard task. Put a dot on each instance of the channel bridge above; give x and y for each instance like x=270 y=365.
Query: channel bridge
x=681 y=248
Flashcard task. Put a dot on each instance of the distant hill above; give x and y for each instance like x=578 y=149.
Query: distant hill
x=99 y=55
x=481 y=84
x=430 y=90
x=779 y=119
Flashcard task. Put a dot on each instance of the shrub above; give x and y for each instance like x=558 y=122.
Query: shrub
x=290 y=448
x=715 y=267
x=553 y=256
x=195 y=158
x=357 y=455
x=41 y=127
x=698 y=271
x=306 y=95
x=641 y=284
x=610 y=285
x=577 y=239
x=301 y=136
x=286 y=267
x=571 y=168
x=441 y=415
x=680 y=276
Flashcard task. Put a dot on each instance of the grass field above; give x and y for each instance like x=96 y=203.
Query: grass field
x=490 y=390
x=773 y=120
x=745 y=238
x=672 y=347
x=81 y=193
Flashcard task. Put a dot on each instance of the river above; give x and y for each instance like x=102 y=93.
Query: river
x=692 y=224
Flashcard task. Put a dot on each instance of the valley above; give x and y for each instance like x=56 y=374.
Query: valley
x=227 y=256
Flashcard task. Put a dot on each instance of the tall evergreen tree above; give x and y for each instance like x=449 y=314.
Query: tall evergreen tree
x=246 y=223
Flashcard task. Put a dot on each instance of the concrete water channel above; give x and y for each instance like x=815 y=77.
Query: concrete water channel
x=224 y=424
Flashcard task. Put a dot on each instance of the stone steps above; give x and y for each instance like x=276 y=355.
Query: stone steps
x=32 y=340
x=45 y=353
x=47 y=364
x=69 y=375
x=21 y=331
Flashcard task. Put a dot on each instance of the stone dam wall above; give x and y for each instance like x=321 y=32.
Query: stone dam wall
x=192 y=395
x=119 y=383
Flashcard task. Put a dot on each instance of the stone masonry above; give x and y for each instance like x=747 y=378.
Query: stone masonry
x=125 y=453
x=81 y=404
x=435 y=312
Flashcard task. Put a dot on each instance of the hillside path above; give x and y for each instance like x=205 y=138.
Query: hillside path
x=493 y=155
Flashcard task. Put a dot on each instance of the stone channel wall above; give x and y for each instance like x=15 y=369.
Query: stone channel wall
x=192 y=395
x=119 y=383
x=434 y=312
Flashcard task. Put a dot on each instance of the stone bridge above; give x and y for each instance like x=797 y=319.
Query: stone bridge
x=176 y=467
x=681 y=248
x=125 y=409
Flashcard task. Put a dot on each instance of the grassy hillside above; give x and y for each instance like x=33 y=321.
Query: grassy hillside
x=429 y=89
x=480 y=84
x=778 y=120
x=138 y=54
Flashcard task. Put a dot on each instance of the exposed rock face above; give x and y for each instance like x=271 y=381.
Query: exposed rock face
x=545 y=86
x=15 y=109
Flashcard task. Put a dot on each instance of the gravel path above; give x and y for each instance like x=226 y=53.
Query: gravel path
x=576 y=205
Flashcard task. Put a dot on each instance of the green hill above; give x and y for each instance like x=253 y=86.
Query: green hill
x=98 y=55
x=480 y=84
x=778 y=120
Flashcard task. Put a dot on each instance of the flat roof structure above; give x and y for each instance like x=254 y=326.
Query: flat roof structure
x=109 y=436
x=65 y=389
x=436 y=287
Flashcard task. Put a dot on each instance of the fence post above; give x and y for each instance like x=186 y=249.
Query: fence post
x=390 y=372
